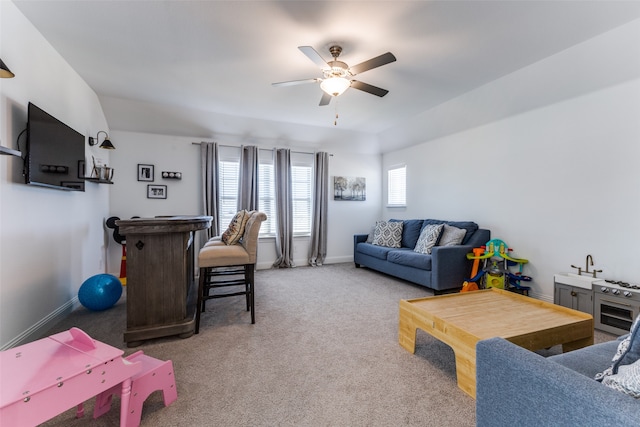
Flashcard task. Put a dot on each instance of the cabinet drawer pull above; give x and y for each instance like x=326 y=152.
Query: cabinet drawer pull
x=573 y=293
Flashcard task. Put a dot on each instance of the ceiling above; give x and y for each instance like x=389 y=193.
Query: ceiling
x=205 y=59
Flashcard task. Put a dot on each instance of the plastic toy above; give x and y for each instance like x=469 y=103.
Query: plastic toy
x=495 y=271
x=100 y=292
x=469 y=285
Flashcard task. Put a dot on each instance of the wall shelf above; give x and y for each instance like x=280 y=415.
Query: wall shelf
x=98 y=181
x=9 y=151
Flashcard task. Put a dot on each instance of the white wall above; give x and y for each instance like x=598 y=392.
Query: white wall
x=51 y=240
x=555 y=183
x=172 y=153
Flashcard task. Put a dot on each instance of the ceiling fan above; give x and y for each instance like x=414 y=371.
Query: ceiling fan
x=337 y=75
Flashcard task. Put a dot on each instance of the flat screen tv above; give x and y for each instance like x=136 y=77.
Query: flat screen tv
x=55 y=153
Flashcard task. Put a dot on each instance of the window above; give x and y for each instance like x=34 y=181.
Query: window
x=301 y=188
x=301 y=184
x=397 y=186
x=267 y=192
x=228 y=172
x=301 y=192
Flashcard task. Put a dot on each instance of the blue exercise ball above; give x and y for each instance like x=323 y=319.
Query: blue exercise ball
x=100 y=292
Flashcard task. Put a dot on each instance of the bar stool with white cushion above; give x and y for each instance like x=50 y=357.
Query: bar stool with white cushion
x=229 y=262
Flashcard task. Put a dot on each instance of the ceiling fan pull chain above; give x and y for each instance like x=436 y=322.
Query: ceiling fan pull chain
x=335 y=122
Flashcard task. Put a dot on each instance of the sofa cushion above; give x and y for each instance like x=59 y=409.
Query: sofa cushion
x=428 y=238
x=388 y=234
x=587 y=361
x=410 y=231
x=410 y=258
x=470 y=226
x=373 y=250
x=451 y=236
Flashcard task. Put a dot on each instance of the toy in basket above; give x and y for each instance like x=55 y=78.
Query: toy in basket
x=495 y=271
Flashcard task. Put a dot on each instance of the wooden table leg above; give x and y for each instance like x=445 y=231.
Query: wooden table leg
x=574 y=345
x=466 y=371
x=407 y=331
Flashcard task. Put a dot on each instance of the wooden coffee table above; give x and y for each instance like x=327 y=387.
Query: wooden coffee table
x=461 y=320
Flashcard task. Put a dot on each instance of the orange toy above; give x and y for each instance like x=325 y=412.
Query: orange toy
x=473 y=286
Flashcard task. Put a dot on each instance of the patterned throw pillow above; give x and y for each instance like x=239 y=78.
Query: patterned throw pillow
x=428 y=238
x=388 y=234
x=628 y=352
x=234 y=232
x=627 y=380
x=451 y=236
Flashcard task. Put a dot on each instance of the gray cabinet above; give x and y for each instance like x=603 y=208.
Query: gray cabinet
x=573 y=297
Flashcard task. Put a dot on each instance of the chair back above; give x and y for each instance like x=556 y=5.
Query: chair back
x=250 y=237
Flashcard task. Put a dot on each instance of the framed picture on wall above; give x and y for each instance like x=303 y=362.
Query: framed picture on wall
x=145 y=173
x=350 y=188
x=156 y=191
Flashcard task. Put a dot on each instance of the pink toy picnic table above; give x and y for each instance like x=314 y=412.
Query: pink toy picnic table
x=44 y=378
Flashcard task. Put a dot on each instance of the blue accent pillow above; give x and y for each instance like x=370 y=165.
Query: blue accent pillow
x=410 y=231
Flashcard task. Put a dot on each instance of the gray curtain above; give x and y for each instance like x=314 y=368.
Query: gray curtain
x=284 y=209
x=209 y=165
x=248 y=182
x=318 y=248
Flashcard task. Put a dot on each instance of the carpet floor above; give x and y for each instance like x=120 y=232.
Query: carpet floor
x=323 y=352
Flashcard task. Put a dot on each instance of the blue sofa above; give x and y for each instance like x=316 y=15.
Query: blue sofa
x=517 y=387
x=445 y=269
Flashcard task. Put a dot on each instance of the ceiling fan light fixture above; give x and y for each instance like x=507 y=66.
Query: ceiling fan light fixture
x=335 y=86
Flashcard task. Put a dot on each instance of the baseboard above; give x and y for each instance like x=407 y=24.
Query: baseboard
x=36 y=331
x=305 y=263
x=543 y=297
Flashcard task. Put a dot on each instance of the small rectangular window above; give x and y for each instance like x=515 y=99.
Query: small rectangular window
x=397 y=186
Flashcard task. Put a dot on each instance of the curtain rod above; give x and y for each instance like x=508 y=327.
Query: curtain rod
x=235 y=146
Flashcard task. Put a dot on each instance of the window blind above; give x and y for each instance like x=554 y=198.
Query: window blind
x=397 y=186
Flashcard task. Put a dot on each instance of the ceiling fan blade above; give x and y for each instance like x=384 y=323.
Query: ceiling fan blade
x=373 y=90
x=314 y=56
x=296 y=82
x=378 y=61
x=326 y=99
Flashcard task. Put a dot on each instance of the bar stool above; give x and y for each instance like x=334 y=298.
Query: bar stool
x=224 y=266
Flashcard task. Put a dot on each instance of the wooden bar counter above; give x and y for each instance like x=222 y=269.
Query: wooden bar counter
x=161 y=290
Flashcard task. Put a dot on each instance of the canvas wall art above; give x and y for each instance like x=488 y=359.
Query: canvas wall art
x=349 y=188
